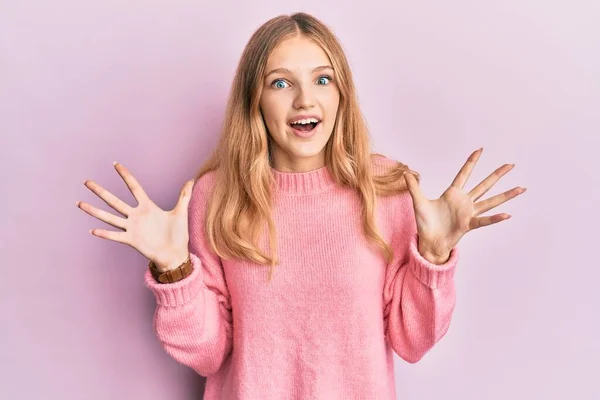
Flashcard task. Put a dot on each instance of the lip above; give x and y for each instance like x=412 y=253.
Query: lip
x=305 y=135
x=303 y=116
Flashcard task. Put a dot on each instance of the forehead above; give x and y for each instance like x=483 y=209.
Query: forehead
x=297 y=53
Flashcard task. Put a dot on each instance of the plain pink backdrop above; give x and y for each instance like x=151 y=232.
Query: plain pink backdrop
x=145 y=82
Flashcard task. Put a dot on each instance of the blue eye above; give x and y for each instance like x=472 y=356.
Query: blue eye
x=279 y=84
x=321 y=78
x=282 y=84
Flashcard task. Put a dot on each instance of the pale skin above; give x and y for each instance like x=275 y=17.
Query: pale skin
x=160 y=236
x=301 y=87
x=303 y=82
x=442 y=222
x=299 y=80
x=297 y=86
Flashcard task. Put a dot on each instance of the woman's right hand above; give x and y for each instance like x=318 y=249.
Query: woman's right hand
x=161 y=236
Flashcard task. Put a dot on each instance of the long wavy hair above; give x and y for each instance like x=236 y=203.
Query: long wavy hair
x=240 y=204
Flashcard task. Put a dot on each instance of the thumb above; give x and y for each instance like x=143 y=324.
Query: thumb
x=413 y=188
x=184 y=197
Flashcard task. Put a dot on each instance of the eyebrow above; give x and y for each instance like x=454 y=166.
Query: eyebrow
x=285 y=70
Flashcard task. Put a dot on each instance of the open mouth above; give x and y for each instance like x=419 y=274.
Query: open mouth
x=305 y=127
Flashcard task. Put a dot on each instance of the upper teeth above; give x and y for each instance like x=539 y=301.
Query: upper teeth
x=305 y=121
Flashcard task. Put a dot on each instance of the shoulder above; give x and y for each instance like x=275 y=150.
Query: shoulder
x=400 y=200
x=389 y=170
x=382 y=164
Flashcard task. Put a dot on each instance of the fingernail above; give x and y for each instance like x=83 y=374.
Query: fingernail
x=91 y=231
x=114 y=163
x=77 y=203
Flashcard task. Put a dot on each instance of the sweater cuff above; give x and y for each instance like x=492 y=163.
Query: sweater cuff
x=180 y=292
x=433 y=275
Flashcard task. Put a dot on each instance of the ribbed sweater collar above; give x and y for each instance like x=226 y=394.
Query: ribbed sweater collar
x=300 y=183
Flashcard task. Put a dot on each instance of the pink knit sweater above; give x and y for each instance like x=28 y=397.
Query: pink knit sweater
x=328 y=323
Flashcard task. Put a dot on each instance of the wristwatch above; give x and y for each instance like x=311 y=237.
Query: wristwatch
x=173 y=275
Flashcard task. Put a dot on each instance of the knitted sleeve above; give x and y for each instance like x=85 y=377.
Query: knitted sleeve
x=193 y=318
x=419 y=296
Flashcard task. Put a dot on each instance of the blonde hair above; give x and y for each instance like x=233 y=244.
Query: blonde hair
x=241 y=202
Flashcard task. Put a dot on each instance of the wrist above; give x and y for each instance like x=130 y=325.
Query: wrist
x=435 y=259
x=171 y=274
x=434 y=256
x=172 y=263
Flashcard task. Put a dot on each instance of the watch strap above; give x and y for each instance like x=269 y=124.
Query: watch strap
x=173 y=275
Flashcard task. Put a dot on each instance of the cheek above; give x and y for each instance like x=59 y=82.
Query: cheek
x=272 y=110
x=331 y=104
x=330 y=98
x=272 y=116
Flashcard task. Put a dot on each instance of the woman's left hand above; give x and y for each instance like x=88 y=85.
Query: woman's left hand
x=441 y=223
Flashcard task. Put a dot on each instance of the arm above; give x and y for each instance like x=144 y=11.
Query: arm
x=419 y=296
x=193 y=319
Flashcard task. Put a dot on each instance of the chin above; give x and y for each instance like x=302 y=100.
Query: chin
x=298 y=148
x=308 y=149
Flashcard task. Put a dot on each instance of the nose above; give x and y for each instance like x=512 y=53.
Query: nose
x=304 y=98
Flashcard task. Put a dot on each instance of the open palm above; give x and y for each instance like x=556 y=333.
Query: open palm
x=160 y=236
x=442 y=222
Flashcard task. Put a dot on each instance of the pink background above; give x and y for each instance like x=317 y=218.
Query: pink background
x=145 y=83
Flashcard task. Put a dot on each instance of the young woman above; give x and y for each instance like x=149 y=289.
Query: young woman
x=308 y=260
